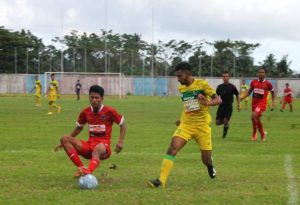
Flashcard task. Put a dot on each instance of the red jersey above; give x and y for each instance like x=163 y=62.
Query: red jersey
x=260 y=91
x=100 y=123
x=287 y=92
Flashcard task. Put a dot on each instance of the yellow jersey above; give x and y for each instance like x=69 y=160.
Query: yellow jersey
x=38 y=87
x=244 y=89
x=193 y=112
x=53 y=87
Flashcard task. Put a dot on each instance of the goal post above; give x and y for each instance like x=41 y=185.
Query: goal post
x=111 y=82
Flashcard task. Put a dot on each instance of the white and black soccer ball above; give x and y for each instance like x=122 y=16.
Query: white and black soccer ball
x=88 y=181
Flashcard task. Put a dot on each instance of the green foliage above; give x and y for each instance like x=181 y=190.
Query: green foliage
x=248 y=172
x=129 y=54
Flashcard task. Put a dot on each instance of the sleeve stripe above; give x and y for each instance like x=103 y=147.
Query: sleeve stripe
x=122 y=121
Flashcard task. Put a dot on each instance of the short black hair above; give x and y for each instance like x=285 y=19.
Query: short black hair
x=264 y=68
x=226 y=72
x=96 y=89
x=183 y=66
x=52 y=74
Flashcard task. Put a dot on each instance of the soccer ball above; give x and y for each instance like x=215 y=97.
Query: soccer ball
x=88 y=181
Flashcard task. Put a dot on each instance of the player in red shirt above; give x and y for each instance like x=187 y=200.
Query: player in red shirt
x=100 y=119
x=260 y=88
x=288 y=98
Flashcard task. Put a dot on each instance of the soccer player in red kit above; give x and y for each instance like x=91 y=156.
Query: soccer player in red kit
x=288 y=98
x=260 y=88
x=100 y=119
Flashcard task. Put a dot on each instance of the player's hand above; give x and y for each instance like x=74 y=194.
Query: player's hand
x=177 y=122
x=202 y=99
x=58 y=147
x=119 y=147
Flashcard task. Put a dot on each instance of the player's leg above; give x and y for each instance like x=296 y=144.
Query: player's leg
x=220 y=116
x=100 y=152
x=203 y=139
x=72 y=146
x=167 y=163
x=291 y=106
x=206 y=156
x=283 y=105
x=254 y=118
x=259 y=111
x=50 y=109
x=227 y=116
x=39 y=102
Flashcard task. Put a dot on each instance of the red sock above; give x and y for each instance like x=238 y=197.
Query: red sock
x=93 y=164
x=73 y=155
x=260 y=127
x=254 y=126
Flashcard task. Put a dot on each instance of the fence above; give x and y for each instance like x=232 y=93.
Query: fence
x=133 y=85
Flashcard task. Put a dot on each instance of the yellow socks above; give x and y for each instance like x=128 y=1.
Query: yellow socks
x=167 y=165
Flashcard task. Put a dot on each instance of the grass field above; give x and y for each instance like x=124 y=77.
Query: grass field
x=247 y=172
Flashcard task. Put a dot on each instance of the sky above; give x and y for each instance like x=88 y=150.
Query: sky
x=272 y=23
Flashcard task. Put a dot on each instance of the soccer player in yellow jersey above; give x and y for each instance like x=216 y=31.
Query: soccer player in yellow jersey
x=194 y=123
x=53 y=94
x=243 y=92
x=38 y=91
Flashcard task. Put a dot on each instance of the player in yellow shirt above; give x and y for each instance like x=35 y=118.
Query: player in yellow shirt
x=194 y=123
x=38 y=91
x=53 y=94
x=243 y=91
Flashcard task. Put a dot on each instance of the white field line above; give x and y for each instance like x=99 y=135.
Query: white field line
x=292 y=183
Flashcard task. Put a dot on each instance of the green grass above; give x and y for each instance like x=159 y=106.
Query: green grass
x=248 y=172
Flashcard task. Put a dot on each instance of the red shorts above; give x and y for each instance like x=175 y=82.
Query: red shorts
x=88 y=147
x=287 y=100
x=259 y=109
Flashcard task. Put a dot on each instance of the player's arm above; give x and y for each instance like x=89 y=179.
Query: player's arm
x=119 y=145
x=238 y=99
x=247 y=94
x=215 y=100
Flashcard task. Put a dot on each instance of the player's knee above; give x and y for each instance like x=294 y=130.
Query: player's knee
x=65 y=139
x=219 y=121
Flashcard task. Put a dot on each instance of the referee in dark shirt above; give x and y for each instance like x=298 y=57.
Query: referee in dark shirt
x=226 y=91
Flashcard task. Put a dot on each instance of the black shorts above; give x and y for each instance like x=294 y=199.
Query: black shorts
x=77 y=92
x=224 y=111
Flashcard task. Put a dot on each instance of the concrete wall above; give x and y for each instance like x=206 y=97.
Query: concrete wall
x=113 y=85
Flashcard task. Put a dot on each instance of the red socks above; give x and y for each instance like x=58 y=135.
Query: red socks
x=73 y=155
x=93 y=164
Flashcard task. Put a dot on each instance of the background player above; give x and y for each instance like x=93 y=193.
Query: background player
x=226 y=91
x=194 y=123
x=260 y=88
x=287 y=98
x=243 y=91
x=100 y=119
x=78 y=87
x=53 y=94
x=38 y=91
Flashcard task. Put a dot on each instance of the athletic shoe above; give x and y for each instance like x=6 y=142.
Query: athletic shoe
x=281 y=110
x=253 y=138
x=81 y=171
x=50 y=113
x=211 y=171
x=263 y=137
x=155 y=183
